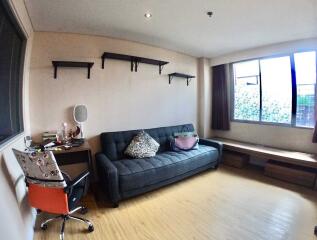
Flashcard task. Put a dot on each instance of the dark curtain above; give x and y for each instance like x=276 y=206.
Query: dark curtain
x=220 y=106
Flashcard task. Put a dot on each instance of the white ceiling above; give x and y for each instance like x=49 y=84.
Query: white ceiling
x=182 y=25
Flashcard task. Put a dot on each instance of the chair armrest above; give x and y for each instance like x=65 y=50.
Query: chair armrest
x=213 y=143
x=75 y=181
x=108 y=177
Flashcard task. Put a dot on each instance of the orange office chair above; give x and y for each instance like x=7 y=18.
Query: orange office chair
x=50 y=190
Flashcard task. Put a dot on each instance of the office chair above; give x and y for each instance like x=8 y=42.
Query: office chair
x=50 y=190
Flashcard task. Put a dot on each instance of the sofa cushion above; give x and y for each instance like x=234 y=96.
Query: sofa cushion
x=114 y=143
x=138 y=173
x=142 y=146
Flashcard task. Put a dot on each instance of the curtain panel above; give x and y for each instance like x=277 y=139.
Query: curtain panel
x=220 y=106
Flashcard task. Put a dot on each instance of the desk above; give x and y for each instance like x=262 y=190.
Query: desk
x=287 y=165
x=75 y=155
x=286 y=156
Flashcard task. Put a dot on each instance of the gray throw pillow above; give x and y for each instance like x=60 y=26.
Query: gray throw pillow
x=142 y=146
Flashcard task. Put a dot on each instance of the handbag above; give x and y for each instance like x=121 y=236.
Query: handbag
x=184 y=143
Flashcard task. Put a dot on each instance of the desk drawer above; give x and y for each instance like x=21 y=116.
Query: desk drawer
x=291 y=173
x=235 y=159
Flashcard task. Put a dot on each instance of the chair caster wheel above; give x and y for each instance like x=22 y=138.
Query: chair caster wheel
x=44 y=227
x=84 y=210
x=91 y=228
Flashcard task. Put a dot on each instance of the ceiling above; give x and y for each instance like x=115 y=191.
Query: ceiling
x=182 y=25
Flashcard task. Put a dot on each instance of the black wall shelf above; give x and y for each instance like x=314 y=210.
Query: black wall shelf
x=134 y=60
x=71 y=64
x=180 y=75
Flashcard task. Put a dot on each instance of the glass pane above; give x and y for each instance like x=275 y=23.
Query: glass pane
x=305 y=67
x=276 y=90
x=246 y=91
x=247 y=68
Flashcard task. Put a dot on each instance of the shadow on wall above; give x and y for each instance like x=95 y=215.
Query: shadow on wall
x=94 y=141
x=14 y=193
x=68 y=117
x=14 y=178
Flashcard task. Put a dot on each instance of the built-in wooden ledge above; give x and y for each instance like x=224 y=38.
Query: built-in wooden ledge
x=287 y=156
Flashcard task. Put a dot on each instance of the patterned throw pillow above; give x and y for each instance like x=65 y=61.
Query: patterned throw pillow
x=142 y=146
x=40 y=168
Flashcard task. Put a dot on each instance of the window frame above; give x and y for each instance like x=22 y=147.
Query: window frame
x=9 y=14
x=294 y=90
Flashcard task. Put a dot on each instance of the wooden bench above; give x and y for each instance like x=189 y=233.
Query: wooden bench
x=291 y=166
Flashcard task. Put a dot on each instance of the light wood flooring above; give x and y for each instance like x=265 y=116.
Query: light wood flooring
x=226 y=204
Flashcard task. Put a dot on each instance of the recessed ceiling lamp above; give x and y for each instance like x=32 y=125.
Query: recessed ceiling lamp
x=147 y=15
x=209 y=13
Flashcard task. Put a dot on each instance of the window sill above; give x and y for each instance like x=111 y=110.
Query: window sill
x=272 y=124
x=10 y=140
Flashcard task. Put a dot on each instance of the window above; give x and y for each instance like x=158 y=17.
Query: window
x=276 y=90
x=247 y=91
x=12 y=48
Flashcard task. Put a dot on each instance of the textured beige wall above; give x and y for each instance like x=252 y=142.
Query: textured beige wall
x=204 y=97
x=17 y=218
x=117 y=99
x=297 y=139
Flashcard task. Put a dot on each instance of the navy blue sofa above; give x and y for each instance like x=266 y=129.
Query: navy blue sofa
x=121 y=177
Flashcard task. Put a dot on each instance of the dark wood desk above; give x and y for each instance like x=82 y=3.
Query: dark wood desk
x=75 y=155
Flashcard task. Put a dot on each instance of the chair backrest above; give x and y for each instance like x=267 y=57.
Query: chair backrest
x=40 y=168
x=48 y=199
x=45 y=181
x=114 y=143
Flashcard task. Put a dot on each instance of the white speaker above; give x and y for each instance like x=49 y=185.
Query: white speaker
x=80 y=116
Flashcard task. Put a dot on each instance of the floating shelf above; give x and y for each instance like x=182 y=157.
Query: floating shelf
x=134 y=60
x=72 y=64
x=180 y=75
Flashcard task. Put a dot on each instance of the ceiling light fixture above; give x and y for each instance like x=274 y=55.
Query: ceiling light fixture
x=148 y=15
x=210 y=13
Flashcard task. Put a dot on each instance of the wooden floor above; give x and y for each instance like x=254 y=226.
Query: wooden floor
x=227 y=204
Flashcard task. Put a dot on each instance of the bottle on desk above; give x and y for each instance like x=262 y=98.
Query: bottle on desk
x=66 y=137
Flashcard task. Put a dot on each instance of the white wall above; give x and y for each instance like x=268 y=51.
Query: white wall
x=297 y=139
x=117 y=99
x=17 y=218
x=269 y=50
x=204 y=97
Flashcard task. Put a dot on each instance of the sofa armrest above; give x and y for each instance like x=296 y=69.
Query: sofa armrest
x=213 y=143
x=108 y=177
